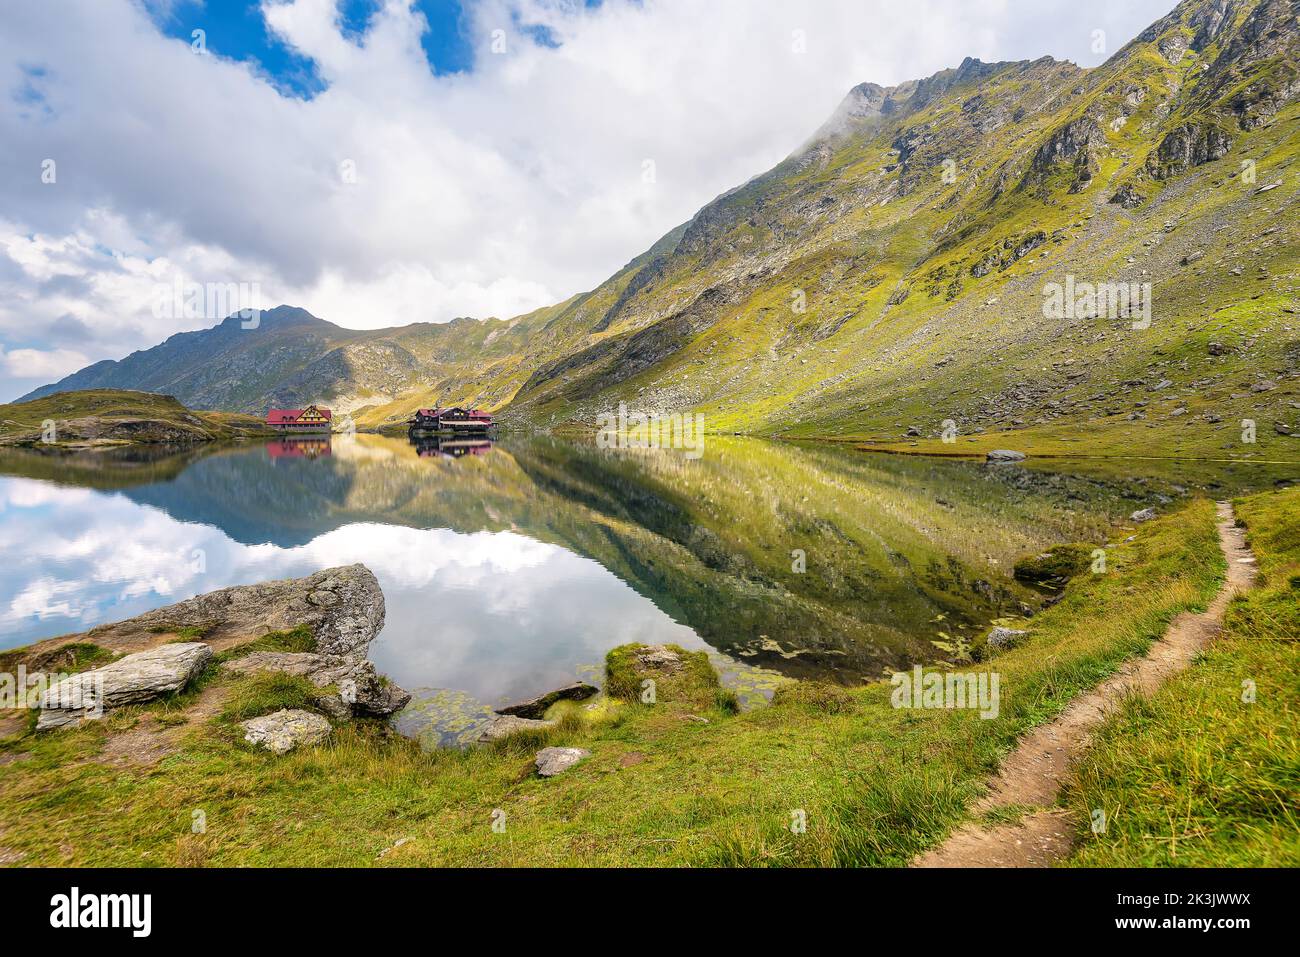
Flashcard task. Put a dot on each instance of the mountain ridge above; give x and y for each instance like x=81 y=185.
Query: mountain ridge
x=889 y=273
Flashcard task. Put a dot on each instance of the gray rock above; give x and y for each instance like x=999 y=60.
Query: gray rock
x=343 y=623
x=139 y=677
x=282 y=731
x=551 y=761
x=536 y=707
x=1005 y=455
x=1143 y=515
x=362 y=690
x=658 y=658
x=372 y=694
x=504 y=725
x=335 y=707
x=1000 y=639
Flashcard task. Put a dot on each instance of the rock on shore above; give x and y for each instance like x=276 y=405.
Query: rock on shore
x=1005 y=455
x=504 y=725
x=536 y=708
x=552 y=761
x=282 y=731
x=362 y=690
x=342 y=607
x=130 y=680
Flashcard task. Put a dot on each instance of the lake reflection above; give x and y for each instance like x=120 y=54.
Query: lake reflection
x=510 y=570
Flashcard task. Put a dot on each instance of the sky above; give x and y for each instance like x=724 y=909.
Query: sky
x=381 y=162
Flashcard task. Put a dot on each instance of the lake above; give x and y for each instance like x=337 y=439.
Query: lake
x=511 y=568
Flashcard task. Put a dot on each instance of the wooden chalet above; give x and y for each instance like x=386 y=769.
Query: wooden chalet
x=450 y=420
x=311 y=419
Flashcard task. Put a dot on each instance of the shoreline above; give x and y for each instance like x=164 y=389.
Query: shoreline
x=625 y=760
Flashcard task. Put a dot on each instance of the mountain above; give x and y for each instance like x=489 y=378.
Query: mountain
x=292 y=358
x=906 y=267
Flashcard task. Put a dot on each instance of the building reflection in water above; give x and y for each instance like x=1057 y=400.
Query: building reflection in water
x=299 y=448
x=452 y=447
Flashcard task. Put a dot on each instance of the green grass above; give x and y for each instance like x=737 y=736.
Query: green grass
x=623 y=678
x=264 y=692
x=1196 y=775
x=1056 y=566
x=299 y=639
x=684 y=780
x=194 y=632
x=67 y=659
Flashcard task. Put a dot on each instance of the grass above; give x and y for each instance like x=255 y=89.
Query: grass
x=65 y=659
x=682 y=781
x=265 y=692
x=188 y=632
x=1054 y=567
x=295 y=640
x=1206 y=772
x=124 y=417
x=625 y=680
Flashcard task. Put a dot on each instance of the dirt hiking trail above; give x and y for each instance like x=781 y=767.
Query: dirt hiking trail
x=1034 y=772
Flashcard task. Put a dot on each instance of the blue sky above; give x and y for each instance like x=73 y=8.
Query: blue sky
x=237 y=30
x=382 y=162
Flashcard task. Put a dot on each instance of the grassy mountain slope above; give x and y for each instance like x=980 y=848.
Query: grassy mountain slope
x=113 y=417
x=857 y=290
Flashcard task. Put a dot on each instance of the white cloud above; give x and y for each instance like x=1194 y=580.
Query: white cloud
x=38 y=364
x=490 y=192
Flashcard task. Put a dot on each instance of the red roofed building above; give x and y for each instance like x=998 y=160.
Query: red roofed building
x=310 y=419
x=454 y=419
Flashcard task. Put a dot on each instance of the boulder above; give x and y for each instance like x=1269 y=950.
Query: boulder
x=551 y=761
x=343 y=607
x=1143 y=515
x=504 y=725
x=282 y=731
x=658 y=658
x=362 y=690
x=140 y=677
x=371 y=694
x=1000 y=639
x=1005 y=455
x=1054 y=567
x=536 y=707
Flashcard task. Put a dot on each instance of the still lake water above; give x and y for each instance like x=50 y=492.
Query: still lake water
x=511 y=569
